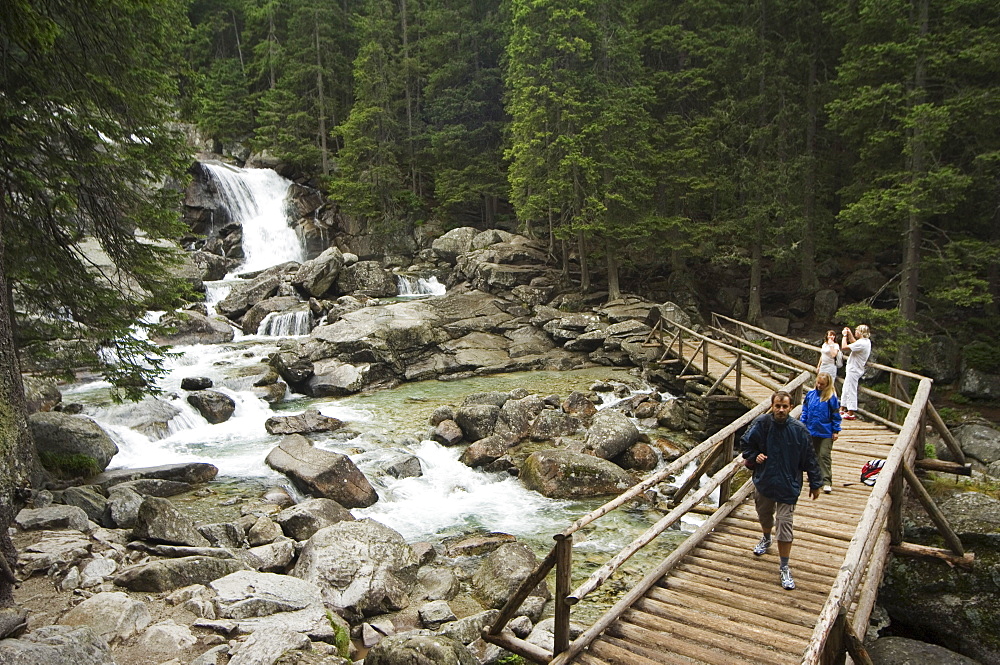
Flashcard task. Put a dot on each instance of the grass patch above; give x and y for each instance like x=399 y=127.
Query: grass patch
x=66 y=466
x=939 y=486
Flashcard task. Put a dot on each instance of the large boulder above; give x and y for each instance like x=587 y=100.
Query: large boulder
x=267 y=647
x=57 y=645
x=212 y=266
x=214 y=406
x=484 y=451
x=903 y=651
x=73 y=445
x=322 y=473
x=454 y=242
x=516 y=416
x=980 y=442
x=954 y=607
x=159 y=521
x=54 y=550
x=561 y=474
x=477 y=420
x=40 y=393
x=308 y=422
x=181 y=472
x=552 y=423
x=52 y=517
x=419 y=647
x=252 y=319
x=977 y=384
x=367 y=278
x=363 y=568
x=333 y=378
x=248 y=596
x=245 y=295
x=316 y=276
x=115 y=616
x=170 y=574
x=304 y=519
x=186 y=327
x=611 y=433
x=502 y=572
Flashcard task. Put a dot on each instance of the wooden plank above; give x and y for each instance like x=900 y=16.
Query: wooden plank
x=803 y=563
x=673 y=642
x=688 y=579
x=750 y=628
x=759 y=583
x=690 y=602
x=762 y=571
x=620 y=652
x=661 y=630
x=693 y=587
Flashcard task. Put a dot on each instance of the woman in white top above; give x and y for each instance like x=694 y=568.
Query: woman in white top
x=828 y=356
x=860 y=347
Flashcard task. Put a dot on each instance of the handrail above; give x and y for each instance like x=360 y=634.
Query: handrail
x=872 y=521
x=799 y=364
x=803 y=345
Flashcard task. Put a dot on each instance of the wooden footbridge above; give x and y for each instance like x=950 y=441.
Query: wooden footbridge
x=711 y=600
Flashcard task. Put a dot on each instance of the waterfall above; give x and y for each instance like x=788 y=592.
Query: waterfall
x=284 y=324
x=257 y=200
x=419 y=286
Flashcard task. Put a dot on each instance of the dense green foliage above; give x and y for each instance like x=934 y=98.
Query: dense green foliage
x=650 y=137
x=87 y=89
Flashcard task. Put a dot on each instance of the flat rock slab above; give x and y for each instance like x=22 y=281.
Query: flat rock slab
x=322 y=473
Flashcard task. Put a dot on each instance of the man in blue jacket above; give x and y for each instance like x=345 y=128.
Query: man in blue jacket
x=779 y=450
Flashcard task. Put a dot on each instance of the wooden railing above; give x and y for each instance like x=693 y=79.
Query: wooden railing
x=560 y=557
x=878 y=532
x=898 y=399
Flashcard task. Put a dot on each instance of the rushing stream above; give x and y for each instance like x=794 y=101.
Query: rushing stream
x=448 y=499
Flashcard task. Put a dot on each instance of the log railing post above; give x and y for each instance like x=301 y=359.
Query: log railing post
x=739 y=373
x=704 y=357
x=564 y=565
x=939 y=519
x=725 y=489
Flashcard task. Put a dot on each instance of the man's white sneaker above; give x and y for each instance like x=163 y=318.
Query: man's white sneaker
x=787 y=582
x=761 y=547
x=827 y=489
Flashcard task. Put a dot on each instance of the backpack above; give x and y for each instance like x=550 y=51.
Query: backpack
x=869 y=472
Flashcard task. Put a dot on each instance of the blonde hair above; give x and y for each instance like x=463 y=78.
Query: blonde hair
x=829 y=391
x=863 y=331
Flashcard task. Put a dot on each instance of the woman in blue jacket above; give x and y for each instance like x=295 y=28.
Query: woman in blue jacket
x=821 y=415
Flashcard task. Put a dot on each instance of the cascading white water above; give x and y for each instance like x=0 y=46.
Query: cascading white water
x=257 y=200
x=419 y=286
x=285 y=324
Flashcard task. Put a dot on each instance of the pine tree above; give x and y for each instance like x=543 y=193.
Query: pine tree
x=914 y=80
x=371 y=182
x=85 y=152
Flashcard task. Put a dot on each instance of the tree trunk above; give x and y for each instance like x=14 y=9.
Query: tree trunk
x=807 y=248
x=581 y=241
x=239 y=47
x=321 y=100
x=910 y=278
x=408 y=94
x=271 y=40
x=19 y=466
x=614 y=290
x=756 y=272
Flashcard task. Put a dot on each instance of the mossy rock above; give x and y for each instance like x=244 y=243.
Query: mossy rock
x=63 y=465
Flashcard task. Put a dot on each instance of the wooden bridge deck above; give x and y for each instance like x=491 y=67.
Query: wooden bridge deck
x=721 y=604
